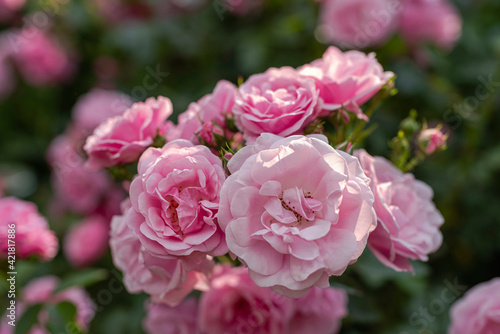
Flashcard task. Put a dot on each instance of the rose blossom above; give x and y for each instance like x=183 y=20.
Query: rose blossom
x=235 y=304
x=408 y=221
x=478 y=311
x=319 y=312
x=295 y=211
x=163 y=319
x=32 y=234
x=87 y=241
x=358 y=24
x=96 y=106
x=40 y=58
x=431 y=140
x=430 y=21
x=206 y=114
x=176 y=198
x=122 y=139
x=279 y=101
x=9 y=7
x=165 y=278
x=346 y=79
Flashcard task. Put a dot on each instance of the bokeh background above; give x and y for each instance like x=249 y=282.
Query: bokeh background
x=194 y=44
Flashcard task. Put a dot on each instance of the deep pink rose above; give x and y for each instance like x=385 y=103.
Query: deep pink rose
x=346 y=79
x=430 y=21
x=408 y=221
x=279 y=101
x=40 y=58
x=32 y=234
x=295 y=211
x=165 y=278
x=358 y=24
x=96 y=106
x=235 y=304
x=164 y=319
x=87 y=241
x=206 y=114
x=431 y=140
x=77 y=188
x=319 y=312
x=478 y=311
x=122 y=139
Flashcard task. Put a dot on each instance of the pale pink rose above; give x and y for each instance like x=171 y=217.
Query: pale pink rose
x=430 y=21
x=87 y=241
x=235 y=304
x=295 y=211
x=76 y=188
x=122 y=139
x=9 y=7
x=431 y=140
x=279 y=101
x=40 y=58
x=41 y=290
x=478 y=311
x=408 y=221
x=176 y=198
x=206 y=115
x=358 y=24
x=96 y=106
x=164 y=319
x=31 y=230
x=346 y=79
x=165 y=278
x=319 y=312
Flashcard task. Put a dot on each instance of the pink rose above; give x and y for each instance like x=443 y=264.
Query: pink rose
x=346 y=79
x=235 y=304
x=320 y=312
x=32 y=234
x=163 y=319
x=165 y=278
x=122 y=139
x=358 y=24
x=430 y=21
x=295 y=211
x=96 y=106
x=206 y=114
x=431 y=140
x=87 y=242
x=279 y=101
x=40 y=58
x=478 y=311
x=9 y=7
x=408 y=221
x=175 y=199
x=77 y=188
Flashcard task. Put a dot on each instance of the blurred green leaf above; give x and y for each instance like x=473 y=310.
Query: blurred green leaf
x=28 y=319
x=82 y=278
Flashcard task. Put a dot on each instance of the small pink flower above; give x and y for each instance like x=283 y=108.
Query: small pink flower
x=358 y=24
x=32 y=234
x=431 y=140
x=97 y=106
x=408 y=221
x=165 y=278
x=40 y=58
x=164 y=319
x=176 y=198
x=9 y=7
x=206 y=115
x=279 y=101
x=478 y=311
x=346 y=79
x=122 y=139
x=86 y=242
x=235 y=304
x=295 y=211
x=430 y=21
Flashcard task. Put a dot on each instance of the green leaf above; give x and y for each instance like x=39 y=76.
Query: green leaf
x=62 y=319
x=82 y=278
x=28 y=319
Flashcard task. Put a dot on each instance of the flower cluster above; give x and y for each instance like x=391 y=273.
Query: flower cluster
x=253 y=175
